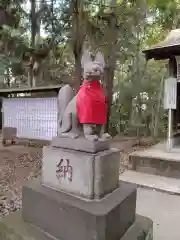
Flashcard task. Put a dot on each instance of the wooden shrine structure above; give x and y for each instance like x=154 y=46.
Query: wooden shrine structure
x=169 y=49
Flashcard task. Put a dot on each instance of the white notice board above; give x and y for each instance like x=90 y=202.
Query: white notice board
x=178 y=67
x=34 y=118
x=170 y=93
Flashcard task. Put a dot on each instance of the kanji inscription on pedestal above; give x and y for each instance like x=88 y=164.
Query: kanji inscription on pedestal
x=64 y=170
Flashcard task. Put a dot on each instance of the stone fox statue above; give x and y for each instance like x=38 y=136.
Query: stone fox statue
x=78 y=115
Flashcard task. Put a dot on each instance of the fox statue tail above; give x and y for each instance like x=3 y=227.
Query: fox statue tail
x=65 y=95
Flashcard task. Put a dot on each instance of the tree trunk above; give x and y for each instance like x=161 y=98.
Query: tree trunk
x=78 y=39
x=33 y=38
x=8 y=79
x=38 y=7
x=77 y=72
x=111 y=60
x=157 y=117
x=108 y=79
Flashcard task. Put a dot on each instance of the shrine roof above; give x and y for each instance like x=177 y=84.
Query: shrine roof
x=165 y=49
x=38 y=91
x=32 y=89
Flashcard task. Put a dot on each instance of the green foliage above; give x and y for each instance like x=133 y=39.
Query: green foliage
x=137 y=25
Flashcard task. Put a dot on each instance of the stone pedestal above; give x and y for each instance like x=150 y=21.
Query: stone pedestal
x=67 y=217
x=81 y=144
x=80 y=173
x=79 y=195
x=13 y=227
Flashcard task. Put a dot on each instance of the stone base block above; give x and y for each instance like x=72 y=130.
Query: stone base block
x=83 y=174
x=142 y=229
x=156 y=162
x=67 y=217
x=81 y=144
x=13 y=227
x=9 y=134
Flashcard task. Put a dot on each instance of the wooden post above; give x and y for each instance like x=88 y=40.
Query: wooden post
x=170 y=111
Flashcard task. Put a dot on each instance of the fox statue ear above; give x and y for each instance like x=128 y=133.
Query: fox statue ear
x=86 y=58
x=100 y=58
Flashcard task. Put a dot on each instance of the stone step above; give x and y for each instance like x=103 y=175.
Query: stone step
x=13 y=227
x=156 y=160
x=155 y=182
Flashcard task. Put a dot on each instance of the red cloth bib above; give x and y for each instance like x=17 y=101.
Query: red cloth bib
x=91 y=103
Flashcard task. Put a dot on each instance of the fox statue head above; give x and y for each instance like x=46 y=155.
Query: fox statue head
x=92 y=69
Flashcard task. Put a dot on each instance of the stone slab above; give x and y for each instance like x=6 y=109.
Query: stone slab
x=83 y=174
x=9 y=133
x=157 y=161
x=142 y=229
x=67 y=217
x=13 y=227
x=81 y=144
x=155 y=182
x=163 y=209
x=159 y=152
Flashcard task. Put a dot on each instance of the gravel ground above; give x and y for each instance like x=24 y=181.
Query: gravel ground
x=17 y=165
x=21 y=163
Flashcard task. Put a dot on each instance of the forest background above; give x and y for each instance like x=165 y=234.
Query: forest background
x=41 y=43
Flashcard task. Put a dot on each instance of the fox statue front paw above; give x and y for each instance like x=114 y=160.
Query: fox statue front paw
x=91 y=138
x=106 y=136
x=69 y=135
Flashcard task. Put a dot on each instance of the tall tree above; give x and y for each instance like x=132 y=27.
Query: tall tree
x=78 y=36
